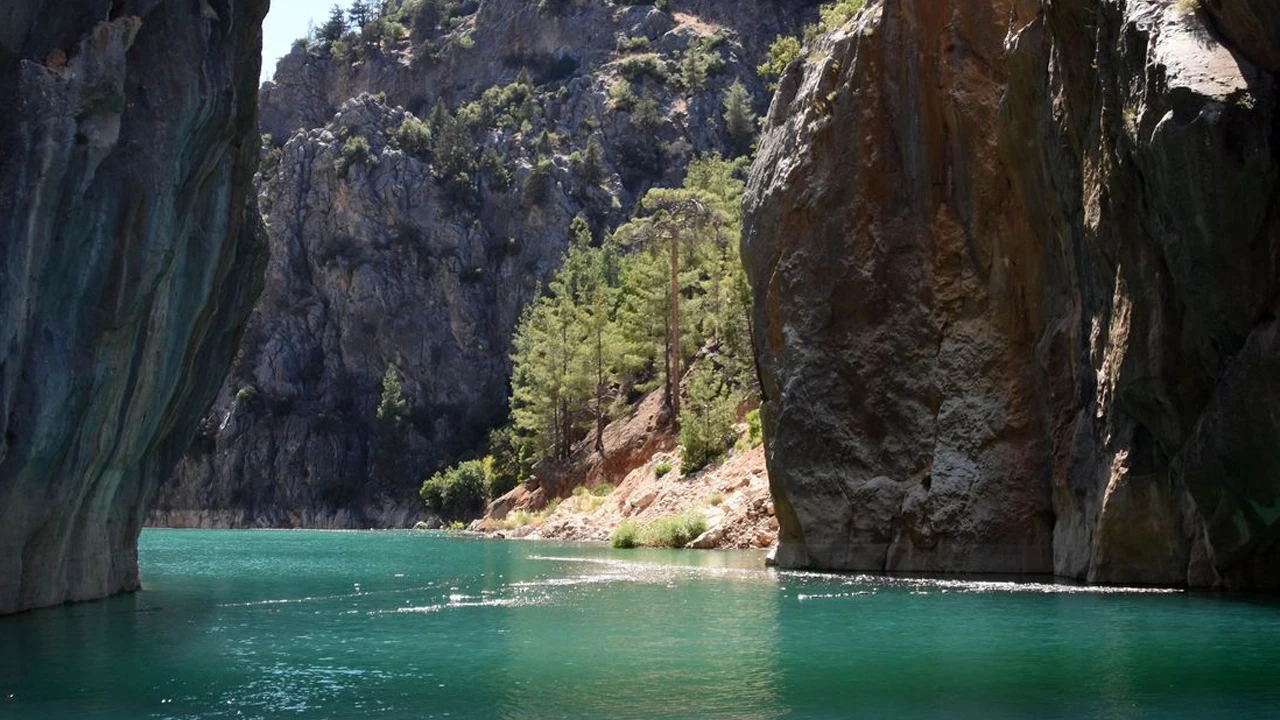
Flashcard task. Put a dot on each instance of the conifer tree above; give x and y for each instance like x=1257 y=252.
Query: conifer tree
x=360 y=12
x=336 y=26
x=739 y=119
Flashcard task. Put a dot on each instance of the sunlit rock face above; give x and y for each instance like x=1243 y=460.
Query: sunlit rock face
x=378 y=263
x=1015 y=266
x=130 y=256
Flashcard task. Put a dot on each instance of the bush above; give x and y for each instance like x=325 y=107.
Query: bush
x=458 y=492
x=633 y=44
x=414 y=137
x=661 y=469
x=355 y=150
x=674 y=531
x=755 y=429
x=602 y=490
x=621 y=97
x=715 y=499
x=784 y=49
x=637 y=67
x=626 y=535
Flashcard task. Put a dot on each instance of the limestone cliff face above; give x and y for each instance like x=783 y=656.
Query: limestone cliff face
x=128 y=264
x=1015 y=266
x=379 y=262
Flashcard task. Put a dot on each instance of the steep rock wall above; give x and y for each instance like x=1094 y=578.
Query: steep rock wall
x=1015 y=266
x=130 y=256
x=380 y=264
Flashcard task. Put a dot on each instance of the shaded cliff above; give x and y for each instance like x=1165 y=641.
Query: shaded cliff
x=421 y=191
x=130 y=256
x=1015 y=267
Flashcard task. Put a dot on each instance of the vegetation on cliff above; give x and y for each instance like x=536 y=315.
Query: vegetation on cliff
x=604 y=331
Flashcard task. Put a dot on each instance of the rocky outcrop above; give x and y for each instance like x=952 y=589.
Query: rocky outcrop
x=394 y=259
x=1015 y=267
x=130 y=256
x=372 y=267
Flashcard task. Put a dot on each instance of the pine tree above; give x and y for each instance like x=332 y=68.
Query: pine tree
x=336 y=26
x=389 y=437
x=361 y=12
x=592 y=167
x=739 y=120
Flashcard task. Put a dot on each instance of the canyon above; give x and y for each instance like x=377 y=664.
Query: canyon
x=1014 y=267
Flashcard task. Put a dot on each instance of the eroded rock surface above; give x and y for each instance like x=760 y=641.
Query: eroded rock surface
x=130 y=256
x=382 y=262
x=1015 y=266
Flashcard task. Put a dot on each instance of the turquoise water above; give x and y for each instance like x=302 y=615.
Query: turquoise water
x=293 y=624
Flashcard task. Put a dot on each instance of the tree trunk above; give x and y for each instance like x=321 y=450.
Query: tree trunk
x=674 y=376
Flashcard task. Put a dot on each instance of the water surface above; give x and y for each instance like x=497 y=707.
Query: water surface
x=296 y=624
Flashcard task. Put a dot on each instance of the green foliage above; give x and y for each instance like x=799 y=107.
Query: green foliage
x=621 y=97
x=509 y=461
x=739 y=119
x=414 y=137
x=389 y=439
x=697 y=63
x=635 y=68
x=457 y=525
x=626 y=535
x=458 y=492
x=786 y=48
x=674 y=531
x=755 y=429
x=539 y=183
x=393 y=406
x=602 y=490
x=662 y=468
x=355 y=150
x=714 y=499
x=635 y=43
x=782 y=51
x=360 y=12
x=835 y=14
x=601 y=325
x=336 y=26
x=706 y=426
x=589 y=163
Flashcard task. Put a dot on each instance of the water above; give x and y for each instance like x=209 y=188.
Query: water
x=289 y=624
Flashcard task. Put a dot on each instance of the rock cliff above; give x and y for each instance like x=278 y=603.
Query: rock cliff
x=1015 y=266
x=420 y=255
x=130 y=256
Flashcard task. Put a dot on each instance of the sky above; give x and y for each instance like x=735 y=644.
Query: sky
x=287 y=21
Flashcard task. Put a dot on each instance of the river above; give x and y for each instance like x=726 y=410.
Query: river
x=301 y=624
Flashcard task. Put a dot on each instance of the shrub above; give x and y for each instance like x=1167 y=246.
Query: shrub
x=414 y=137
x=782 y=51
x=674 y=531
x=661 y=469
x=602 y=490
x=715 y=499
x=633 y=44
x=637 y=67
x=355 y=150
x=458 y=492
x=755 y=429
x=621 y=97
x=626 y=535
x=838 y=13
